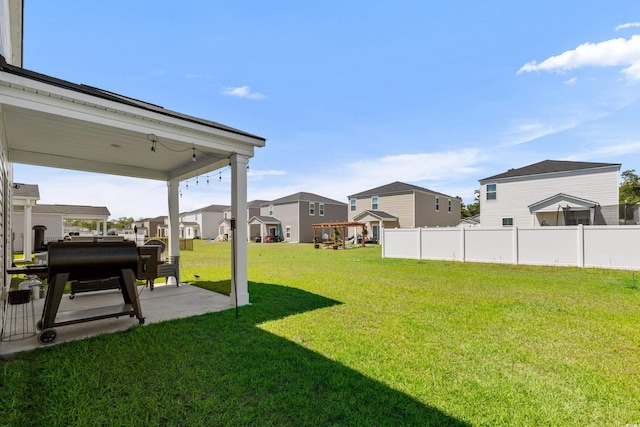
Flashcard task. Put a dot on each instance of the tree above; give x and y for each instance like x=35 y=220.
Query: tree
x=121 y=223
x=630 y=188
x=472 y=208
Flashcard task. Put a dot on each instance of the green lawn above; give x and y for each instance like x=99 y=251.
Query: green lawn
x=348 y=338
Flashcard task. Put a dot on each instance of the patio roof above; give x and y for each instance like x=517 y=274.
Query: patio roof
x=550 y=204
x=263 y=220
x=56 y=123
x=379 y=215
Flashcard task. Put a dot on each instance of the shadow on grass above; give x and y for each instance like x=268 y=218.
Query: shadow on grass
x=211 y=369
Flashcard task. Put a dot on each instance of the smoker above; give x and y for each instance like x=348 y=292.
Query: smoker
x=96 y=266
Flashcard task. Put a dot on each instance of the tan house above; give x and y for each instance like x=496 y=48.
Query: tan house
x=150 y=227
x=400 y=205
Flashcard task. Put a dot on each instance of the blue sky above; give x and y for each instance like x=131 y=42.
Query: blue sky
x=351 y=95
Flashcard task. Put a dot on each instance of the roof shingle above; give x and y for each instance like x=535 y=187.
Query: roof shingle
x=549 y=166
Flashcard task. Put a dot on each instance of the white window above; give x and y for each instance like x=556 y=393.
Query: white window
x=507 y=222
x=491 y=191
x=352 y=203
x=321 y=209
x=374 y=203
x=288 y=231
x=437 y=204
x=312 y=208
x=449 y=205
x=270 y=209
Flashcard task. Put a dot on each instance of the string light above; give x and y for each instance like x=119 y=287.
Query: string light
x=153 y=138
x=208 y=178
x=194 y=154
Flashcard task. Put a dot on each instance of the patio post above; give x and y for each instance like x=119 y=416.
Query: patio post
x=174 y=225
x=239 y=292
x=27 y=239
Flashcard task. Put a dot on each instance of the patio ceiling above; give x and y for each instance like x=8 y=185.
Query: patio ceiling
x=55 y=123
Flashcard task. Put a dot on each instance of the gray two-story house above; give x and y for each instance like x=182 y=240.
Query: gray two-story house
x=291 y=218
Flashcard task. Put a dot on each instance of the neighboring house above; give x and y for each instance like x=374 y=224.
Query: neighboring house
x=471 y=221
x=403 y=206
x=292 y=217
x=53 y=218
x=206 y=218
x=150 y=227
x=25 y=197
x=253 y=230
x=551 y=192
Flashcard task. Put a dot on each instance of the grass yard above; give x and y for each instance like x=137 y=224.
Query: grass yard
x=348 y=338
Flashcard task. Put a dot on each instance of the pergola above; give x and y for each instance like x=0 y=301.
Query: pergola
x=340 y=226
x=51 y=122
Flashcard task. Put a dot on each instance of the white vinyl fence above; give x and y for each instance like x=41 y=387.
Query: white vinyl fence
x=615 y=247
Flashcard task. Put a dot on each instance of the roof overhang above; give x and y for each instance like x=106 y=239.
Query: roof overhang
x=377 y=215
x=50 y=122
x=263 y=220
x=561 y=200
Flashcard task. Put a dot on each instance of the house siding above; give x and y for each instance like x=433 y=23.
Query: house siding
x=289 y=216
x=332 y=213
x=427 y=216
x=401 y=206
x=8 y=37
x=253 y=231
x=514 y=195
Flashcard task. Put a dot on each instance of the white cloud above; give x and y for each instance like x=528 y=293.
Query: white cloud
x=615 y=151
x=571 y=81
x=260 y=174
x=418 y=166
x=609 y=53
x=440 y=171
x=627 y=25
x=241 y=92
x=531 y=131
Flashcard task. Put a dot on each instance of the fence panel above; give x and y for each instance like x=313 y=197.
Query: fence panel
x=548 y=246
x=401 y=243
x=489 y=245
x=441 y=243
x=612 y=247
x=582 y=246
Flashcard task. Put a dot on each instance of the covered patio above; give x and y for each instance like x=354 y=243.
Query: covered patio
x=565 y=209
x=55 y=123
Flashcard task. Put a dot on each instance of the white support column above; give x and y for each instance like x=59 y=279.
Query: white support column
x=27 y=243
x=239 y=283
x=104 y=227
x=173 y=232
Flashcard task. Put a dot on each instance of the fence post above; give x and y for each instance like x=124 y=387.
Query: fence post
x=462 y=242
x=580 y=245
x=419 y=243
x=516 y=256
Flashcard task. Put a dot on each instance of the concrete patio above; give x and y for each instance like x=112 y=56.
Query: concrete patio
x=165 y=302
